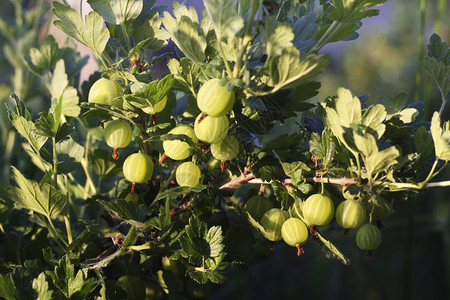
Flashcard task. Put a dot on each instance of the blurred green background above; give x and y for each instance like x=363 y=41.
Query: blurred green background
x=413 y=261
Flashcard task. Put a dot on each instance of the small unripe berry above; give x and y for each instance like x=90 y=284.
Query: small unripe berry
x=176 y=149
x=350 y=214
x=272 y=221
x=211 y=130
x=368 y=237
x=257 y=206
x=118 y=134
x=103 y=91
x=227 y=149
x=318 y=210
x=188 y=174
x=294 y=233
x=214 y=99
x=138 y=168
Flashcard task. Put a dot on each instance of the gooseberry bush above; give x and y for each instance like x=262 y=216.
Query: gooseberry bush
x=196 y=180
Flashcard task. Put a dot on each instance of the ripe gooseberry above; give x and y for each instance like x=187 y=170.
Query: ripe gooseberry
x=188 y=174
x=318 y=210
x=214 y=99
x=210 y=129
x=227 y=149
x=350 y=214
x=294 y=233
x=138 y=168
x=257 y=206
x=368 y=237
x=176 y=149
x=272 y=221
x=118 y=134
x=103 y=91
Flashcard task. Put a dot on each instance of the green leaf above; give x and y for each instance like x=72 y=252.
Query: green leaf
x=185 y=73
x=43 y=199
x=117 y=11
x=125 y=209
x=153 y=92
x=288 y=71
x=179 y=191
x=40 y=285
x=45 y=58
x=353 y=10
x=7 y=288
x=423 y=145
x=92 y=34
x=276 y=37
x=27 y=129
x=439 y=49
x=60 y=89
x=224 y=17
x=395 y=105
x=104 y=165
x=214 y=238
x=367 y=144
x=373 y=118
x=348 y=108
x=17 y=284
x=382 y=160
x=45 y=125
x=69 y=154
x=268 y=168
x=149 y=34
x=97 y=110
x=441 y=137
x=186 y=34
x=297 y=171
x=440 y=73
x=200 y=242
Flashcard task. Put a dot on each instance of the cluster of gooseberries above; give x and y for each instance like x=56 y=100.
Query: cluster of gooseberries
x=211 y=126
x=316 y=211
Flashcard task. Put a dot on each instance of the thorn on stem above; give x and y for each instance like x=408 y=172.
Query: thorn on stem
x=346 y=232
x=133 y=185
x=100 y=123
x=222 y=165
x=300 y=250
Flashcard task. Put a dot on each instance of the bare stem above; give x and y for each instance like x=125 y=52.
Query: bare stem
x=249 y=178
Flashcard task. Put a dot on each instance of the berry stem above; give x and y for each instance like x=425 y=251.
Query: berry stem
x=202 y=118
x=300 y=250
x=115 y=154
x=162 y=158
x=133 y=188
x=380 y=224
